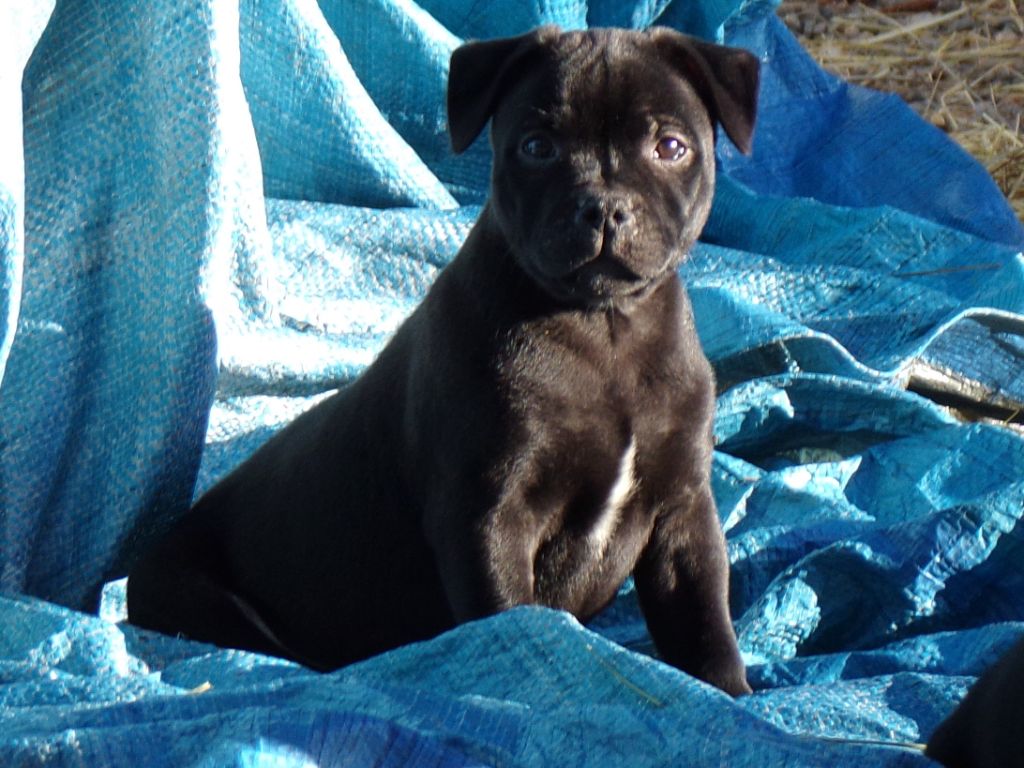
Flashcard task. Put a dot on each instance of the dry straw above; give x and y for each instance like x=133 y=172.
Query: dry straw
x=958 y=63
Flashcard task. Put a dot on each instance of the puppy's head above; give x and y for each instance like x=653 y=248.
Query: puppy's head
x=603 y=148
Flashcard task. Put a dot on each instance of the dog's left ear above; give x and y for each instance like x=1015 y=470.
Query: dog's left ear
x=479 y=73
x=726 y=79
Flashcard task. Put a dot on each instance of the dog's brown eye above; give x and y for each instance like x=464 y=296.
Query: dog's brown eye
x=538 y=147
x=670 y=149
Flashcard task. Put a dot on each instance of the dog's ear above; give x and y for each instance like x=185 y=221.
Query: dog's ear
x=479 y=74
x=726 y=79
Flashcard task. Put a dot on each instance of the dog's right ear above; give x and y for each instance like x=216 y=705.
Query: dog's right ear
x=726 y=79
x=478 y=75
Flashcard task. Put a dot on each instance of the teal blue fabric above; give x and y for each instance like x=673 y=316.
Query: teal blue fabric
x=212 y=214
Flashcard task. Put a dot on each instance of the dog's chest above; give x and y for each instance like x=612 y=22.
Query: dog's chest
x=592 y=404
x=619 y=494
x=596 y=525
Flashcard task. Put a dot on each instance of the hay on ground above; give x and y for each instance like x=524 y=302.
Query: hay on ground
x=958 y=63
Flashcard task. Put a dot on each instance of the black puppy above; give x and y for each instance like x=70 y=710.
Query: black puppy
x=540 y=426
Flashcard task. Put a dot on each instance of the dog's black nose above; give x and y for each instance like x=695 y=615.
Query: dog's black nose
x=600 y=212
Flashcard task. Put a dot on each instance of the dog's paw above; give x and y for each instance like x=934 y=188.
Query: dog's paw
x=727 y=674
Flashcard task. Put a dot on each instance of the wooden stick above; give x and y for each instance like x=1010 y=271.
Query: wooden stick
x=912 y=6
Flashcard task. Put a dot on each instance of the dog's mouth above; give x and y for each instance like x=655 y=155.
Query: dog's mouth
x=588 y=269
x=603 y=270
x=598 y=280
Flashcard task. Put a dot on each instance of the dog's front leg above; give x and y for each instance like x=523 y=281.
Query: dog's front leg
x=682 y=581
x=485 y=564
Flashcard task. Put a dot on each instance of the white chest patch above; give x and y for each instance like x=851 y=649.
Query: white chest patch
x=622 y=489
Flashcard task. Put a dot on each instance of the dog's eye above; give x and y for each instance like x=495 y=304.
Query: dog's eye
x=538 y=147
x=670 y=149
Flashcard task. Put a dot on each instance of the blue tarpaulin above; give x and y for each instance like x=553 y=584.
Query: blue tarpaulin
x=213 y=213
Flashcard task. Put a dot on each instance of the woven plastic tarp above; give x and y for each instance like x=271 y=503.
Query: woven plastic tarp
x=212 y=213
